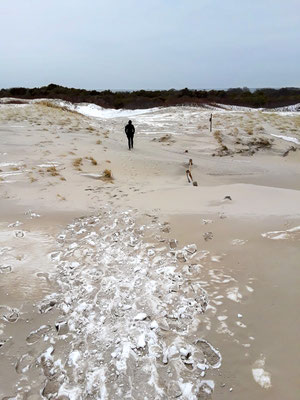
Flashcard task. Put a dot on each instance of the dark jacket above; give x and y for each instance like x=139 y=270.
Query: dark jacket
x=129 y=129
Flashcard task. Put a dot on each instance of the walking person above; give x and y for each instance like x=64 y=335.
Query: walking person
x=130 y=130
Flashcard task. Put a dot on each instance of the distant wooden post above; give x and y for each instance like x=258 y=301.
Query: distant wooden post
x=210 y=120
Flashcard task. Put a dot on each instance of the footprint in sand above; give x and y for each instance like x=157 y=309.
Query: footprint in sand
x=212 y=355
x=5 y=269
x=24 y=363
x=44 y=275
x=19 y=234
x=9 y=314
x=34 y=336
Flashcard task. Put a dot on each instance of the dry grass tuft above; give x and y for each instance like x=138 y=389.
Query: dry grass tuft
x=217 y=136
x=107 y=175
x=222 y=151
x=77 y=163
x=93 y=161
x=52 y=171
x=98 y=142
x=50 y=104
x=261 y=142
x=164 y=139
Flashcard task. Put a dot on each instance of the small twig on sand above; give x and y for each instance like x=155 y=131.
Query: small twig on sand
x=189 y=174
x=292 y=148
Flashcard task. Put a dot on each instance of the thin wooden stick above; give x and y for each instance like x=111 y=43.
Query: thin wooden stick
x=189 y=174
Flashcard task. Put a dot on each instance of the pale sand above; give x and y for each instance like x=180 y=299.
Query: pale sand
x=251 y=280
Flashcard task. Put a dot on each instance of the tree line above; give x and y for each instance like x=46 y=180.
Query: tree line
x=267 y=98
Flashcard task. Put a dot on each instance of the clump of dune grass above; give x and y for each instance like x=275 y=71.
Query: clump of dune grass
x=52 y=171
x=222 y=151
x=77 y=163
x=98 y=142
x=32 y=179
x=92 y=160
x=217 y=136
x=261 y=142
x=249 y=131
x=107 y=175
x=163 y=139
x=56 y=106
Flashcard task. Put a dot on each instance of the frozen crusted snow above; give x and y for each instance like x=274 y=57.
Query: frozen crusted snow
x=287 y=138
x=250 y=289
x=129 y=323
x=238 y=242
x=292 y=233
x=92 y=110
x=234 y=294
x=292 y=108
x=140 y=316
x=260 y=375
x=130 y=317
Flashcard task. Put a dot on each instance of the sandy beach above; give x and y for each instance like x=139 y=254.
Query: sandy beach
x=119 y=279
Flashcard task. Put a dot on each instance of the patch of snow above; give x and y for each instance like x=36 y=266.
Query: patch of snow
x=234 y=294
x=262 y=377
x=278 y=235
x=287 y=138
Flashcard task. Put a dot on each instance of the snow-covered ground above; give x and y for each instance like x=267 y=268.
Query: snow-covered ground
x=129 y=313
x=132 y=312
x=135 y=314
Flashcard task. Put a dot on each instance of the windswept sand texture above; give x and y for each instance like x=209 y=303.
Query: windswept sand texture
x=120 y=280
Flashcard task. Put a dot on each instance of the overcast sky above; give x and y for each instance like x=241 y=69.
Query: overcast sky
x=150 y=44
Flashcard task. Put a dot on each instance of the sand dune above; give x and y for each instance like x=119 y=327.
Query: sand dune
x=119 y=279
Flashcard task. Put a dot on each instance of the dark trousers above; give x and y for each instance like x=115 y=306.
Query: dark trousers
x=130 y=141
